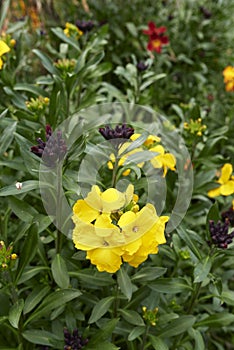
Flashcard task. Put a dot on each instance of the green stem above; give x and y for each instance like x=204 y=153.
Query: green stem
x=59 y=240
x=145 y=337
x=191 y=306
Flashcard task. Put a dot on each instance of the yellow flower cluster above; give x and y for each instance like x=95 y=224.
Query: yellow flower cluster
x=150 y=315
x=195 y=127
x=71 y=30
x=37 y=104
x=228 y=74
x=162 y=160
x=4 y=48
x=110 y=226
x=6 y=255
x=225 y=181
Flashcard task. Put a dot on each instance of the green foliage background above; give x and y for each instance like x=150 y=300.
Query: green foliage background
x=51 y=285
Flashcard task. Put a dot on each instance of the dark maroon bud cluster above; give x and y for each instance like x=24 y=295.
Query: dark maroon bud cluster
x=53 y=149
x=141 y=66
x=73 y=341
x=229 y=215
x=219 y=234
x=119 y=132
x=84 y=26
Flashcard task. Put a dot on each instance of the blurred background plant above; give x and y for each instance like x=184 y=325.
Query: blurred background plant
x=61 y=60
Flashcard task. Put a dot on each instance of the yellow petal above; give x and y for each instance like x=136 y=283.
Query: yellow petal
x=112 y=200
x=105 y=259
x=84 y=212
x=104 y=227
x=227 y=189
x=84 y=235
x=94 y=198
x=4 y=48
x=1 y=63
x=226 y=173
x=214 y=192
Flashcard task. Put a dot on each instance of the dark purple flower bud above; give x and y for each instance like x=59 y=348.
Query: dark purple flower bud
x=206 y=13
x=141 y=66
x=119 y=132
x=73 y=341
x=228 y=215
x=53 y=149
x=219 y=234
x=84 y=26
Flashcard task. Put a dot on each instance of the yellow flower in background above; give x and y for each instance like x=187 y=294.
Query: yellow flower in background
x=195 y=127
x=226 y=181
x=4 y=48
x=163 y=160
x=228 y=74
x=72 y=30
x=110 y=226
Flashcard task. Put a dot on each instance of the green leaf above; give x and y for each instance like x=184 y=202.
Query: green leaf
x=59 y=272
x=184 y=235
x=136 y=332
x=30 y=88
x=28 y=251
x=93 y=279
x=7 y=137
x=46 y=61
x=132 y=317
x=106 y=331
x=53 y=301
x=37 y=336
x=148 y=274
x=124 y=283
x=221 y=319
x=170 y=285
x=202 y=269
x=22 y=209
x=15 y=313
x=60 y=34
x=152 y=80
x=102 y=346
x=213 y=214
x=158 y=343
x=178 y=326
x=196 y=335
x=30 y=272
x=26 y=187
x=100 y=309
x=35 y=297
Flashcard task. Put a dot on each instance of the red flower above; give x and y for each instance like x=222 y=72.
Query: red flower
x=156 y=37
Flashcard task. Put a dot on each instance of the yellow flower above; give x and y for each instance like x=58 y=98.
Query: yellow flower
x=72 y=30
x=226 y=182
x=151 y=139
x=228 y=74
x=112 y=229
x=4 y=48
x=163 y=160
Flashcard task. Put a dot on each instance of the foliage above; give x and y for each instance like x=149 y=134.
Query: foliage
x=180 y=298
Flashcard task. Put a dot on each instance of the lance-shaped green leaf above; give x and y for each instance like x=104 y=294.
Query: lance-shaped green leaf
x=100 y=309
x=25 y=186
x=125 y=283
x=158 y=343
x=178 y=326
x=59 y=272
x=202 y=269
x=46 y=62
x=132 y=317
x=220 y=319
x=15 y=313
x=53 y=301
x=28 y=250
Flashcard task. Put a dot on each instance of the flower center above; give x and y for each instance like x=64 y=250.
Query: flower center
x=135 y=229
x=156 y=43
